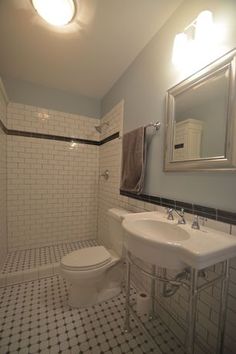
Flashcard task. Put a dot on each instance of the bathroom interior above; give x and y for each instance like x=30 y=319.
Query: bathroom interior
x=117 y=176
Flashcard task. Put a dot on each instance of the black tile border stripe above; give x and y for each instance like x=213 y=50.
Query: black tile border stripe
x=109 y=138
x=2 y=126
x=209 y=213
x=25 y=134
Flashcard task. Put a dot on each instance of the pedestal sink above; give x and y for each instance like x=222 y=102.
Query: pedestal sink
x=156 y=240
x=166 y=244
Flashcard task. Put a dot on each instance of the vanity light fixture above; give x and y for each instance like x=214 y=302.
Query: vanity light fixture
x=195 y=38
x=56 y=12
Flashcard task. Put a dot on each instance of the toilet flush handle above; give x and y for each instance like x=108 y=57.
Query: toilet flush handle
x=105 y=174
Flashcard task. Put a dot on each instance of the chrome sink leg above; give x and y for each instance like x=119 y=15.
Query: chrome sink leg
x=223 y=308
x=153 y=293
x=192 y=311
x=127 y=295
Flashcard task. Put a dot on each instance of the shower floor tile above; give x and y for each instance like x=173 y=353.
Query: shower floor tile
x=18 y=261
x=35 y=318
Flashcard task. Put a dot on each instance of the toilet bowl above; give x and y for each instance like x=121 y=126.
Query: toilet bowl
x=94 y=274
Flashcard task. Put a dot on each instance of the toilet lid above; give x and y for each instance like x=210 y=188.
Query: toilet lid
x=86 y=258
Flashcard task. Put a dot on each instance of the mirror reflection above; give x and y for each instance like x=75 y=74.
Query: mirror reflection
x=200 y=122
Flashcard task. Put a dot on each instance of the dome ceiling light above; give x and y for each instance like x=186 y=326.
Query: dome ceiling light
x=55 y=12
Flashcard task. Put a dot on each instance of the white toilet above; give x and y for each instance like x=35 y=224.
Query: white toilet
x=94 y=273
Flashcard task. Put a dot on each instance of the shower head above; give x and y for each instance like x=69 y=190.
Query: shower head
x=99 y=127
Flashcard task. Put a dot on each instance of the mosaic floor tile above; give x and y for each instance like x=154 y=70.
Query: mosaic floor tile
x=36 y=319
x=35 y=257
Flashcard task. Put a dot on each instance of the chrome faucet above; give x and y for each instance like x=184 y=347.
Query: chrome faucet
x=180 y=213
x=197 y=220
x=195 y=224
x=170 y=215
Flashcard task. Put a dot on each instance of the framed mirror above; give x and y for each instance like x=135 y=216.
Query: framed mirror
x=201 y=119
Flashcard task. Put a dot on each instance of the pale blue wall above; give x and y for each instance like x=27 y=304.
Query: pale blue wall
x=36 y=95
x=143 y=87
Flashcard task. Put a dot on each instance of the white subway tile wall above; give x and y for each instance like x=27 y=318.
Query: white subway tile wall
x=39 y=120
x=52 y=185
x=3 y=182
x=112 y=122
x=208 y=304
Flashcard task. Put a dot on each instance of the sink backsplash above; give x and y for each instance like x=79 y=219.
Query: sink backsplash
x=191 y=208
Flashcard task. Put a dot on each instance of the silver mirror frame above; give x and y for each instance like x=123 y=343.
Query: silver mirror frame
x=227 y=162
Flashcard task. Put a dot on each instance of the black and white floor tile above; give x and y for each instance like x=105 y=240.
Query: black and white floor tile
x=22 y=260
x=35 y=318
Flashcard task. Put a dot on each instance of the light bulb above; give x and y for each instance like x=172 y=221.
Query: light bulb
x=179 y=49
x=55 y=12
x=204 y=26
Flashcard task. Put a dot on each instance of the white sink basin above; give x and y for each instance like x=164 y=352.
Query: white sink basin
x=153 y=229
x=156 y=240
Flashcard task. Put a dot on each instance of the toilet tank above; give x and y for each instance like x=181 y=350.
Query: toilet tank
x=115 y=217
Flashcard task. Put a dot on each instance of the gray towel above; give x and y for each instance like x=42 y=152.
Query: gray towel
x=133 y=161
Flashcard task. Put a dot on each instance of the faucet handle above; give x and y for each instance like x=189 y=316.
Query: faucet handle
x=181 y=215
x=170 y=214
x=203 y=220
x=181 y=212
x=195 y=224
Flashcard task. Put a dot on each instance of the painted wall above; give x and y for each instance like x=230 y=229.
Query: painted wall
x=3 y=180
x=35 y=95
x=143 y=87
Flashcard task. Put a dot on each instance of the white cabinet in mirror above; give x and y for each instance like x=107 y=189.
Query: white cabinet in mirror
x=201 y=119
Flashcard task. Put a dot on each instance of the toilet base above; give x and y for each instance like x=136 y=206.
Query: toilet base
x=80 y=298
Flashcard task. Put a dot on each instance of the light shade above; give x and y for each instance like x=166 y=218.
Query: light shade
x=179 y=49
x=204 y=26
x=55 y=12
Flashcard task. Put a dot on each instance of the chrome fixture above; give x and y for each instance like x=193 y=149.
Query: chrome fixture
x=180 y=213
x=156 y=125
x=105 y=174
x=99 y=127
x=170 y=215
x=195 y=224
x=188 y=279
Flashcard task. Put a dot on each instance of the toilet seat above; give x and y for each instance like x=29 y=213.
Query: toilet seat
x=86 y=259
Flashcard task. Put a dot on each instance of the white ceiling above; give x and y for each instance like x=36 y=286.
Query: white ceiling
x=89 y=55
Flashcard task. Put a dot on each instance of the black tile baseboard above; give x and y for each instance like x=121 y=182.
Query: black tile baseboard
x=26 y=134
x=209 y=213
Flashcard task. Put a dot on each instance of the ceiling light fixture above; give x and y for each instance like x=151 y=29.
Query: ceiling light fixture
x=55 y=12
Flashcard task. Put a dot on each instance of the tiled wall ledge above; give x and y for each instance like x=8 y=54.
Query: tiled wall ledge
x=27 y=134
x=206 y=212
x=29 y=274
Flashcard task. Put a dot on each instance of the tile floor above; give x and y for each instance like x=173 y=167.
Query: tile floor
x=22 y=260
x=35 y=318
